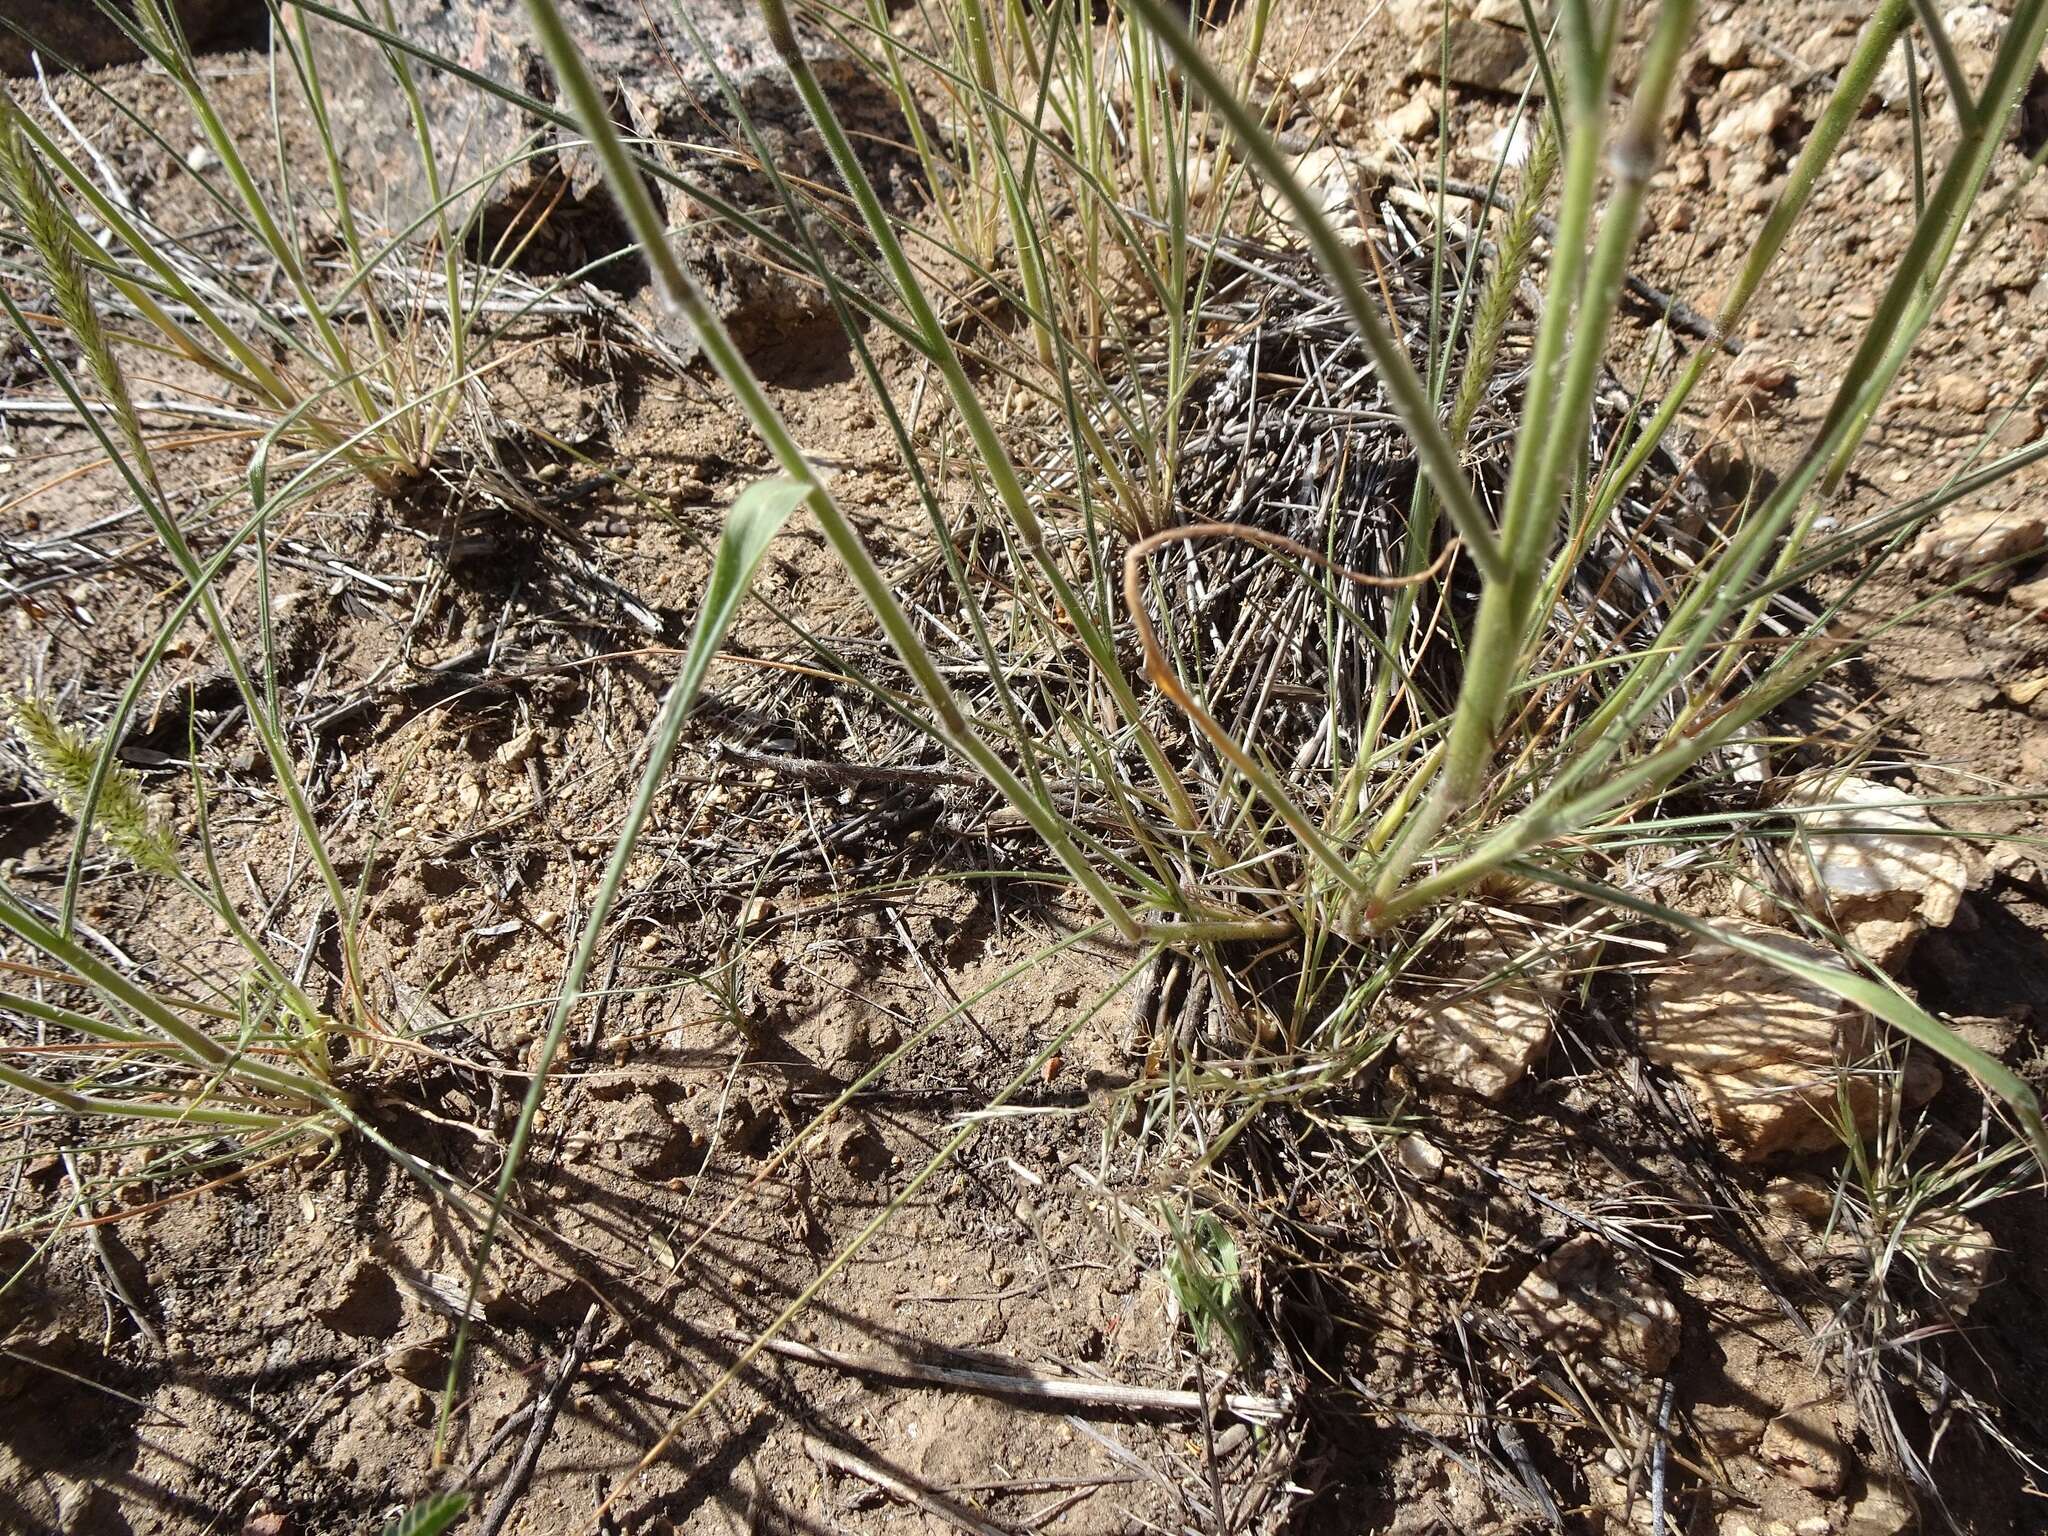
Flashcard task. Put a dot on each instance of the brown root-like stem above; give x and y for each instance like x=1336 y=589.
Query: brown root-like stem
x=1160 y=670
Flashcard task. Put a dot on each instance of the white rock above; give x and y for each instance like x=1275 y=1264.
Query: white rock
x=2031 y=597
x=1598 y=1302
x=1487 y=1029
x=1956 y=1258
x=1660 y=348
x=1962 y=392
x=1892 y=185
x=1827 y=46
x=1876 y=863
x=1754 y=121
x=1974 y=28
x=1761 y=1051
x=1422 y=21
x=1417 y=119
x=1331 y=177
x=1508 y=13
x=1727 y=45
x=1420 y=1158
x=1890 y=85
x=1879 y=1512
x=1305 y=83
x=1963 y=543
x=1419 y=19
x=518 y=749
x=1741 y=85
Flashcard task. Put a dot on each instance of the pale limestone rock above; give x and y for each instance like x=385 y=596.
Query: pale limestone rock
x=1875 y=863
x=2026 y=692
x=1508 y=13
x=1417 y=119
x=1974 y=28
x=1962 y=392
x=1418 y=19
x=1330 y=174
x=1881 y=1511
x=1307 y=83
x=1726 y=46
x=1966 y=543
x=1742 y=85
x=1955 y=1256
x=1890 y=85
x=1828 y=46
x=1485 y=1032
x=1762 y=1051
x=1331 y=178
x=1754 y=120
x=1421 y=1159
x=1592 y=1300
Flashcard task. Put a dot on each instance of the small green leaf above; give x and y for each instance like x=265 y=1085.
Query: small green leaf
x=431 y=1516
x=1202 y=1269
x=756 y=517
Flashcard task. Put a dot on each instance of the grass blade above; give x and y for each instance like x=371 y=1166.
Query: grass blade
x=756 y=516
x=431 y=1516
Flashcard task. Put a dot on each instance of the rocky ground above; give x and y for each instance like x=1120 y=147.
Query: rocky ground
x=1597 y=1278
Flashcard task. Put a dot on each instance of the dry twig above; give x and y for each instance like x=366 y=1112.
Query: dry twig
x=1068 y=1391
x=956 y=1515
x=545 y=1408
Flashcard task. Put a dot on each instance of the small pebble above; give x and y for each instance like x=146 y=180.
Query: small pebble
x=1420 y=1159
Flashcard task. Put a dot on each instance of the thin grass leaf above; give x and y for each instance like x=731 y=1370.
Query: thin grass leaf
x=756 y=516
x=431 y=1516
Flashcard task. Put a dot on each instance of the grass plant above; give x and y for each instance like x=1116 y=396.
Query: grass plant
x=1541 y=767
x=246 y=1065
x=1466 y=802
x=369 y=347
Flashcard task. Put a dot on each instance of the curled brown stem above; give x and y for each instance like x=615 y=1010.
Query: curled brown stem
x=1160 y=670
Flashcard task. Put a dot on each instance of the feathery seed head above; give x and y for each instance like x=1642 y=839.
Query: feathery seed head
x=64 y=759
